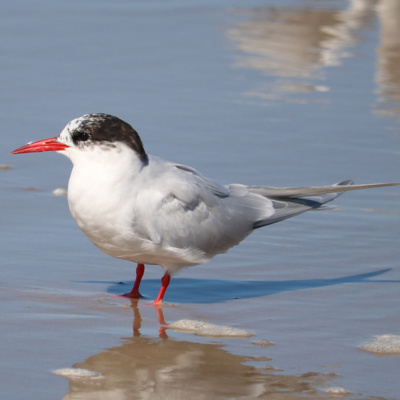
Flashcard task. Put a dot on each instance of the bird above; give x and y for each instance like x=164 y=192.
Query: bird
x=142 y=208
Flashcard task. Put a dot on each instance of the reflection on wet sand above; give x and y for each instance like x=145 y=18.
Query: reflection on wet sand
x=145 y=367
x=388 y=74
x=296 y=43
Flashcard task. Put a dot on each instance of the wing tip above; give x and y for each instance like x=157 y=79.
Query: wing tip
x=345 y=182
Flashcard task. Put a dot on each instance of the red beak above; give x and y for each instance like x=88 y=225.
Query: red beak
x=41 y=145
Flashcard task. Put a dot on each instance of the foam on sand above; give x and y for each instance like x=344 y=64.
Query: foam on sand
x=76 y=373
x=206 y=329
x=60 y=192
x=336 y=390
x=383 y=345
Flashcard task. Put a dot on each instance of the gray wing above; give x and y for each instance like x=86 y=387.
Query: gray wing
x=180 y=210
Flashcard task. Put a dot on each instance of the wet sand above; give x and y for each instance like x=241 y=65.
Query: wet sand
x=286 y=94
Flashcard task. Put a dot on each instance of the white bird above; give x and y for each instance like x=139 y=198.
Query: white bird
x=151 y=211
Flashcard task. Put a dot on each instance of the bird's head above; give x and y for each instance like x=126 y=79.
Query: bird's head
x=88 y=132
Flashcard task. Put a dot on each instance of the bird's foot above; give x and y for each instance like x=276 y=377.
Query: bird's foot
x=156 y=304
x=159 y=304
x=133 y=295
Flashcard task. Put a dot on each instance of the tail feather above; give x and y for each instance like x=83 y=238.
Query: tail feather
x=289 y=202
x=344 y=186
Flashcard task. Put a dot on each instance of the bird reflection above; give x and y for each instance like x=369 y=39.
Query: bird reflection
x=154 y=368
x=388 y=68
x=295 y=43
x=137 y=319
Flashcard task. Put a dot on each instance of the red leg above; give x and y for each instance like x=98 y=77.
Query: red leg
x=162 y=330
x=137 y=319
x=164 y=284
x=134 y=293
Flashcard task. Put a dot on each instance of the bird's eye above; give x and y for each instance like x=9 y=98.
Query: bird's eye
x=81 y=136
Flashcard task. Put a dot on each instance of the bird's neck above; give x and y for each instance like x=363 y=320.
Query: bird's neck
x=109 y=173
x=107 y=162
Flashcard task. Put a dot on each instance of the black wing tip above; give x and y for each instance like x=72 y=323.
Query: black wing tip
x=346 y=182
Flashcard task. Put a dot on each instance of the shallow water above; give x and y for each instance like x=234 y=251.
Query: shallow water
x=281 y=93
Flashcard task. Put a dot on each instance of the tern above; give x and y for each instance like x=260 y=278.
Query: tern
x=145 y=209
